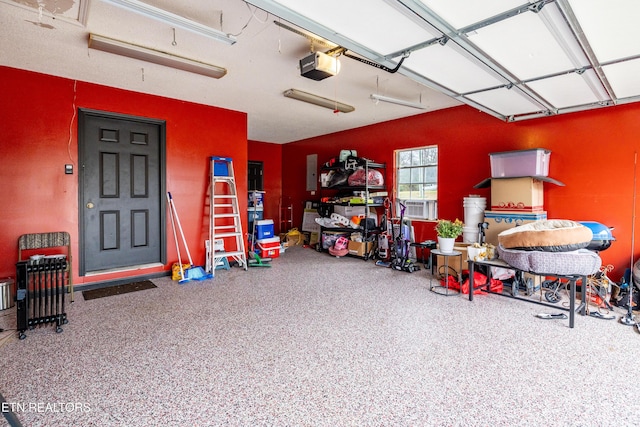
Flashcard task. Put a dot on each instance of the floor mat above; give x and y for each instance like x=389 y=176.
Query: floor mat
x=118 y=289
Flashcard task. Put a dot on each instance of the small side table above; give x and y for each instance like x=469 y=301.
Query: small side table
x=423 y=246
x=439 y=289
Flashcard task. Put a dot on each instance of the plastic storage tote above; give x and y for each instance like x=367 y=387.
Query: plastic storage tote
x=534 y=162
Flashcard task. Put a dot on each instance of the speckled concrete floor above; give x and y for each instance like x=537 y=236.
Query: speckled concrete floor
x=320 y=341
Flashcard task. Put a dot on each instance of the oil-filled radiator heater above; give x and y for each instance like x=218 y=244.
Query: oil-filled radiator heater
x=41 y=286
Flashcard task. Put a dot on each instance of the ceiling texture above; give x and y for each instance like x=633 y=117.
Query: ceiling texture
x=511 y=59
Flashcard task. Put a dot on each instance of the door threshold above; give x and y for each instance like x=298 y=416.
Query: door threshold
x=123 y=269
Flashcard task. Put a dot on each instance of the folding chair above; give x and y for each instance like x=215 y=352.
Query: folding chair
x=30 y=242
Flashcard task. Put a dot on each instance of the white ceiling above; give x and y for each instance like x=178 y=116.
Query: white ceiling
x=511 y=59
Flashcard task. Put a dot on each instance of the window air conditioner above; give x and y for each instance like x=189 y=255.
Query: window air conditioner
x=421 y=209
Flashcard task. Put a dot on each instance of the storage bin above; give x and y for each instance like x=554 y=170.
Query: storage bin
x=534 y=162
x=264 y=229
x=500 y=221
x=256 y=214
x=330 y=237
x=269 y=248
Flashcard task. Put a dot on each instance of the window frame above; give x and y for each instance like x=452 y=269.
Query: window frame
x=423 y=202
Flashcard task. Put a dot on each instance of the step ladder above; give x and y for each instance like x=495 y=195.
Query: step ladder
x=224 y=216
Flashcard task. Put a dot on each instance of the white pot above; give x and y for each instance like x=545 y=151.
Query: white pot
x=445 y=244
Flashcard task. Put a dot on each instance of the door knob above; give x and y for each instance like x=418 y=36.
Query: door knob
x=90 y=205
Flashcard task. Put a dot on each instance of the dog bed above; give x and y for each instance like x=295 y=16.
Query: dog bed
x=554 y=235
x=580 y=262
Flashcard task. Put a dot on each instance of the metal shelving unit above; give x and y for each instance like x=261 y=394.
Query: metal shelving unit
x=325 y=207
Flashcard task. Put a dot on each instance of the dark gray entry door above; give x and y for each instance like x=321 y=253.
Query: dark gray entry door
x=255 y=176
x=121 y=189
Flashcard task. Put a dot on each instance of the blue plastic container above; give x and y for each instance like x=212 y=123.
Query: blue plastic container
x=264 y=229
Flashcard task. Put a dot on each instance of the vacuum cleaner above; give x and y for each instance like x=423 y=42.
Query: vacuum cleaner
x=402 y=243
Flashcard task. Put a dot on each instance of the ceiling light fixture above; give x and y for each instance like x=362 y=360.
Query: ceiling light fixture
x=173 y=19
x=142 y=53
x=318 y=100
x=397 y=101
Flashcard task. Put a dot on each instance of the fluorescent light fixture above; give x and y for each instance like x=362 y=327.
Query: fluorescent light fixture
x=142 y=53
x=173 y=19
x=318 y=100
x=397 y=101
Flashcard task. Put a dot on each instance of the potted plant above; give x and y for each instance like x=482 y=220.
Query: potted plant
x=448 y=231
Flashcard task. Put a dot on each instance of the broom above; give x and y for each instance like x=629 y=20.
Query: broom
x=255 y=260
x=629 y=318
x=183 y=279
x=193 y=272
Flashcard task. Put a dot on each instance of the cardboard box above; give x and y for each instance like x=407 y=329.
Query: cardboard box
x=313 y=237
x=500 y=221
x=309 y=221
x=456 y=263
x=349 y=211
x=360 y=248
x=517 y=194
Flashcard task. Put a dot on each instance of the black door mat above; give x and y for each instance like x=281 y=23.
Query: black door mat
x=118 y=289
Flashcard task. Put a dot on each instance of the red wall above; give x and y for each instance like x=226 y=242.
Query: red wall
x=39 y=136
x=271 y=156
x=592 y=153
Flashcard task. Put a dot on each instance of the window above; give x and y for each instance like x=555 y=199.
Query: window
x=417 y=181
